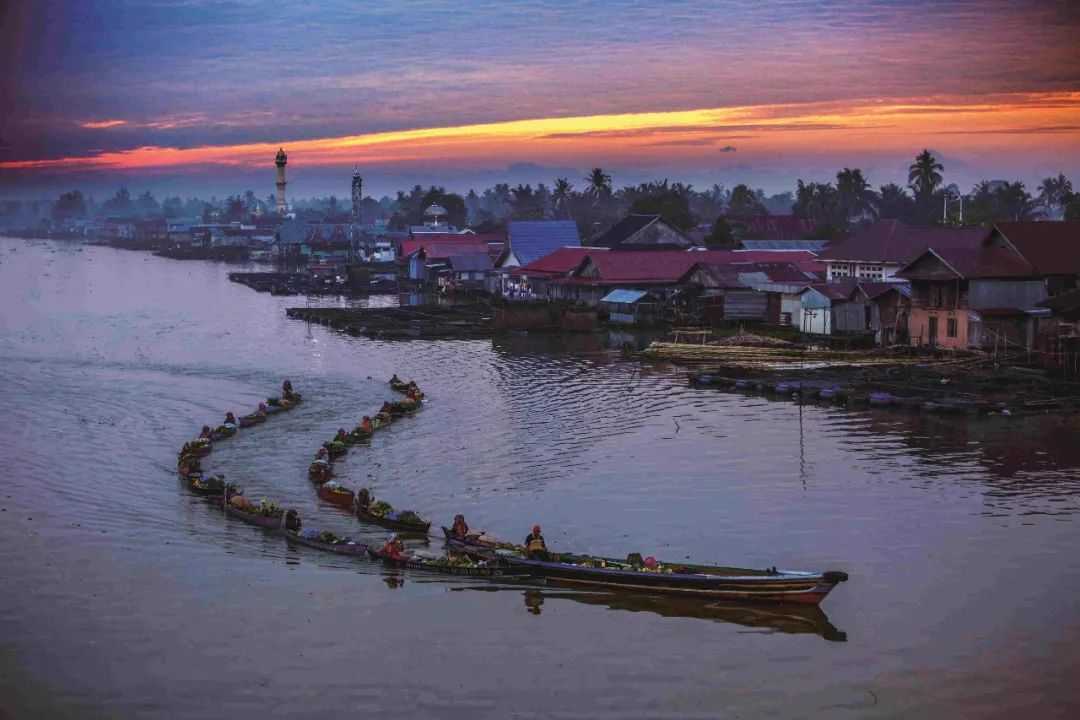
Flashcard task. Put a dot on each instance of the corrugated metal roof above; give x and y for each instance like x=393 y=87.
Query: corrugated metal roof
x=812 y=245
x=1053 y=247
x=891 y=241
x=471 y=262
x=531 y=240
x=776 y=227
x=560 y=262
x=624 y=296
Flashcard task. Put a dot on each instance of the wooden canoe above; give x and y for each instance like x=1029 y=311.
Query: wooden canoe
x=495 y=569
x=320 y=472
x=726 y=583
x=269 y=523
x=406 y=527
x=340 y=496
x=353 y=550
x=336 y=448
x=252 y=419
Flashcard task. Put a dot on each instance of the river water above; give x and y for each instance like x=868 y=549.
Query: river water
x=126 y=596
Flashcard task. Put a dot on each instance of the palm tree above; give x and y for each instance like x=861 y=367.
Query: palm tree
x=894 y=203
x=560 y=196
x=1053 y=191
x=856 y=197
x=599 y=183
x=924 y=175
x=1017 y=203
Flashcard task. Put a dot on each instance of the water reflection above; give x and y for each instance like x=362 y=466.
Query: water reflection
x=791 y=619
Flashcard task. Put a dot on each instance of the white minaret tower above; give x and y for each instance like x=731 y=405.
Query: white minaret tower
x=282 y=206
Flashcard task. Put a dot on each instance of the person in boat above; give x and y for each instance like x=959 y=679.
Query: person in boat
x=460 y=529
x=322 y=457
x=206 y=433
x=386 y=407
x=395 y=381
x=363 y=498
x=535 y=547
x=292 y=521
x=393 y=548
x=262 y=409
x=341 y=436
x=230 y=419
x=286 y=389
x=367 y=425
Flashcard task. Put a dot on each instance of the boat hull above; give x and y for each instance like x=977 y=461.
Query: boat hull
x=345 y=500
x=268 y=523
x=782 y=587
x=414 y=564
x=357 y=550
x=417 y=528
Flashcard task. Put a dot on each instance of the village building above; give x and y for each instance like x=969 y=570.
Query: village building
x=529 y=240
x=645 y=232
x=880 y=250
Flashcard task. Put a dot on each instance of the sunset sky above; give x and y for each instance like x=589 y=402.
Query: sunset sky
x=186 y=96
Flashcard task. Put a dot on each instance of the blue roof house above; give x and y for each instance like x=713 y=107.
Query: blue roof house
x=530 y=240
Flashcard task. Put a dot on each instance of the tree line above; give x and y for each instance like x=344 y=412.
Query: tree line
x=594 y=203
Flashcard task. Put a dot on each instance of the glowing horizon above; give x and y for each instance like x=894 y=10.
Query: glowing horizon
x=866 y=125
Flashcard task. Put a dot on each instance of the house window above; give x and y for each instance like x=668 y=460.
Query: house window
x=841 y=270
x=870 y=272
x=950 y=327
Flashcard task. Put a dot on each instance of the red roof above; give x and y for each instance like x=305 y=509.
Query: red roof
x=1053 y=248
x=776 y=227
x=891 y=241
x=972 y=262
x=560 y=262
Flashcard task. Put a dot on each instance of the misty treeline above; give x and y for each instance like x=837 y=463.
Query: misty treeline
x=595 y=204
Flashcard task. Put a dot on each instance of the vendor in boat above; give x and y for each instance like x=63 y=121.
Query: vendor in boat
x=363 y=498
x=262 y=409
x=286 y=389
x=230 y=420
x=366 y=425
x=535 y=547
x=206 y=433
x=386 y=407
x=322 y=457
x=292 y=521
x=460 y=529
x=395 y=381
x=341 y=436
x=393 y=548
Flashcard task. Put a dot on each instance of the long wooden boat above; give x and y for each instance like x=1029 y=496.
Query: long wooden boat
x=400 y=408
x=407 y=527
x=335 y=448
x=339 y=495
x=490 y=569
x=252 y=419
x=200 y=449
x=270 y=523
x=401 y=387
x=351 y=549
x=727 y=583
x=320 y=472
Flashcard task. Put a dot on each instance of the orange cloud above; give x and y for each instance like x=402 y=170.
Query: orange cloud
x=1028 y=120
x=99 y=125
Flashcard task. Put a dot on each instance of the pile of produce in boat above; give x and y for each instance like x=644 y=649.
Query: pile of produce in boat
x=382 y=512
x=213 y=485
x=326 y=537
x=265 y=508
x=335 y=447
x=320 y=472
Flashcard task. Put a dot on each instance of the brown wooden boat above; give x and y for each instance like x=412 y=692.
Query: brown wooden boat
x=336 y=494
x=342 y=548
x=269 y=523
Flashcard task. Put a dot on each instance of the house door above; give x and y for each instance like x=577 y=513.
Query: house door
x=933 y=331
